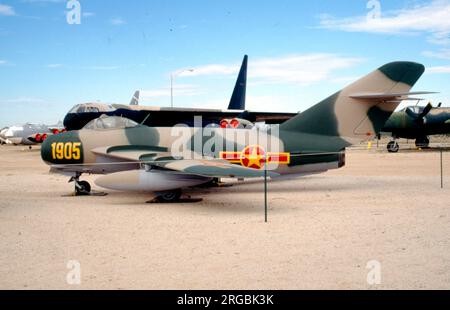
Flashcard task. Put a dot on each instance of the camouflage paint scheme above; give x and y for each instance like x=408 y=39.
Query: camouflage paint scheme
x=315 y=139
x=401 y=125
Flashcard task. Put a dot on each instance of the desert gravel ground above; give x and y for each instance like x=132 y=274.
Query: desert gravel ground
x=322 y=231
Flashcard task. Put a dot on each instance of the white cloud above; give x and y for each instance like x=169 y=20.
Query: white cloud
x=22 y=100
x=3 y=62
x=302 y=69
x=94 y=67
x=185 y=90
x=299 y=69
x=210 y=70
x=441 y=54
x=268 y=103
x=258 y=103
x=438 y=70
x=7 y=10
x=54 y=66
x=117 y=21
x=102 y=68
x=432 y=18
x=44 y=1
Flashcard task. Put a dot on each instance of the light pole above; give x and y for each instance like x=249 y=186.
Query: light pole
x=172 y=77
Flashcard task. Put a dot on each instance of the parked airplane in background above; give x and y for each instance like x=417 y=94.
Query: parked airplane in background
x=3 y=139
x=82 y=114
x=142 y=158
x=417 y=123
x=28 y=134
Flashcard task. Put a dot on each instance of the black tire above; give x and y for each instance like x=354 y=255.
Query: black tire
x=393 y=147
x=423 y=143
x=169 y=196
x=83 y=188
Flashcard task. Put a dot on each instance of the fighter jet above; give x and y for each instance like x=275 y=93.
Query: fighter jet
x=28 y=134
x=417 y=123
x=166 y=160
x=82 y=114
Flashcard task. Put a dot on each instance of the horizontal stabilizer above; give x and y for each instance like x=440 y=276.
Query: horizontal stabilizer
x=389 y=96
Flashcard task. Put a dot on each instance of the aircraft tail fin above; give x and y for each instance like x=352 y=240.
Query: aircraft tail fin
x=357 y=118
x=237 y=101
x=135 y=98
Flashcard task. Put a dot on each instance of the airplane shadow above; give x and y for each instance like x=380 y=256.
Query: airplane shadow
x=249 y=199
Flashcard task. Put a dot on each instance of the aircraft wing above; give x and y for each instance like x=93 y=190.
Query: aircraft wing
x=130 y=152
x=215 y=168
x=159 y=157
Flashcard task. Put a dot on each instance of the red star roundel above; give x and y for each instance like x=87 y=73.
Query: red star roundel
x=253 y=157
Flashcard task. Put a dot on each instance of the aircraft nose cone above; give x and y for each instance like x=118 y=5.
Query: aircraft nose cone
x=8 y=133
x=46 y=149
x=62 y=148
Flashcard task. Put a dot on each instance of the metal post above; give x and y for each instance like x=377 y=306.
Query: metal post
x=442 y=170
x=265 y=191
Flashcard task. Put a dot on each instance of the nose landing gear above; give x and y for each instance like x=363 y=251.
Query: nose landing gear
x=82 y=188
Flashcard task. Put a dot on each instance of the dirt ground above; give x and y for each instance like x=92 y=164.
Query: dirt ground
x=322 y=231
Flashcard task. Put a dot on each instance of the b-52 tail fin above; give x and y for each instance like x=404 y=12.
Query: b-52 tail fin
x=237 y=101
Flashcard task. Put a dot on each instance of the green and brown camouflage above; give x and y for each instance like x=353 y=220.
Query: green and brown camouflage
x=162 y=159
x=418 y=123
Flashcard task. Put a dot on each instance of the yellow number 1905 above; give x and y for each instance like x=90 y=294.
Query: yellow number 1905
x=67 y=151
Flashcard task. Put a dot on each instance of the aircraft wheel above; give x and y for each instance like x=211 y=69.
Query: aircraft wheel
x=422 y=142
x=169 y=196
x=82 y=188
x=393 y=147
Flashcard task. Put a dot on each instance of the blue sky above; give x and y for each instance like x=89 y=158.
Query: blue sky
x=300 y=51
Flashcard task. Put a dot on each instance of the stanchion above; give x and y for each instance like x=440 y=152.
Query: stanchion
x=265 y=192
x=442 y=170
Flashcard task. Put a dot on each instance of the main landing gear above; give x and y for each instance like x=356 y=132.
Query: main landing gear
x=393 y=147
x=169 y=196
x=82 y=188
x=422 y=142
x=173 y=196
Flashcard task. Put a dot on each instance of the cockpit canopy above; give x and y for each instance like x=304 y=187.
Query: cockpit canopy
x=92 y=108
x=110 y=122
x=414 y=109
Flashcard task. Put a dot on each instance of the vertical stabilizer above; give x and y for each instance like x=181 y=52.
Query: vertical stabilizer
x=237 y=101
x=135 y=98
